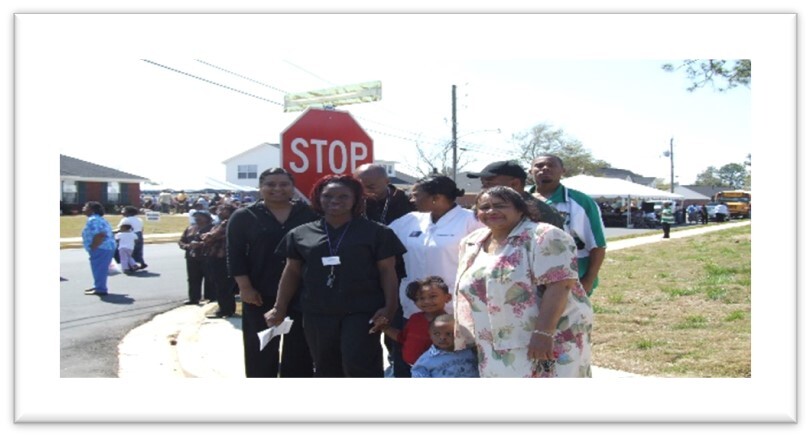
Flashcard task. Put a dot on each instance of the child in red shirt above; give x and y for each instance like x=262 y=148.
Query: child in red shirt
x=430 y=295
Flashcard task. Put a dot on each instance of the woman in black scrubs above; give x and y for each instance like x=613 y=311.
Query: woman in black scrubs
x=346 y=265
x=253 y=234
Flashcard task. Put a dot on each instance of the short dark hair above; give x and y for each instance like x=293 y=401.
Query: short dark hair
x=413 y=289
x=125 y=227
x=439 y=185
x=230 y=207
x=507 y=194
x=445 y=317
x=95 y=207
x=275 y=171
x=552 y=156
x=346 y=180
x=130 y=210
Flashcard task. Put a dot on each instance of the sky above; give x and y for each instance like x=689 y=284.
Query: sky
x=155 y=122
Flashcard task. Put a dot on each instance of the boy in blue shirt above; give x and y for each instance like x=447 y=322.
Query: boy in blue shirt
x=440 y=360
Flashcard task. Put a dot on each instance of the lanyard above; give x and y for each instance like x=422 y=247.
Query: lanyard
x=385 y=207
x=382 y=219
x=333 y=251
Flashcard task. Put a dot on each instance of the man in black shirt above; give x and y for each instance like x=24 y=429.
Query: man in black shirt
x=384 y=203
x=253 y=234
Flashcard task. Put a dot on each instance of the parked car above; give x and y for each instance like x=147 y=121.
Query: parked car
x=717 y=212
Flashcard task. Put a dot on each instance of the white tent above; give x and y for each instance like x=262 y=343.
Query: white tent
x=598 y=187
x=195 y=184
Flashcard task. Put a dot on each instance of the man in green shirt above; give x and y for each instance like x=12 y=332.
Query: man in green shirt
x=667 y=219
x=581 y=216
x=511 y=174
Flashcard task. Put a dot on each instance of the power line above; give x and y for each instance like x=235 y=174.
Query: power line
x=212 y=82
x=310 y=73
x=412 y=139
x=241 y=76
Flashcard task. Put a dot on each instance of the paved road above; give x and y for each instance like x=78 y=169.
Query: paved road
x=91 y=327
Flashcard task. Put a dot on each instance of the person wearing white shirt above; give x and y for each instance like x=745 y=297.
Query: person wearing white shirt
x=130 y=218
x=721 y=212
x=432 y=234
x=126 y=244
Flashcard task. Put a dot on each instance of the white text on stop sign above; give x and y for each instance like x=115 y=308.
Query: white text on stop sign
x=336 y=152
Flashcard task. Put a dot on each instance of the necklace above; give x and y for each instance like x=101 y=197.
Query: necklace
x=385 y=210
x=334 y=251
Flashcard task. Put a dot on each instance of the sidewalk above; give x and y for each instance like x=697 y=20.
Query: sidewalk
x=184 y=343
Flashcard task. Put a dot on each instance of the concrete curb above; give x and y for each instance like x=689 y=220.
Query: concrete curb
x=198 y=359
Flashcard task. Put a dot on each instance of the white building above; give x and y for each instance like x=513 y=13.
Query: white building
x=244 y=168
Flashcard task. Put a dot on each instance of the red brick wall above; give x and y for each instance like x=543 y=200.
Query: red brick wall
x=94 y=190
x=133 y=194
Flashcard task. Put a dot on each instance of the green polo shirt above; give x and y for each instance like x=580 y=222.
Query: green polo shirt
x=587 y=230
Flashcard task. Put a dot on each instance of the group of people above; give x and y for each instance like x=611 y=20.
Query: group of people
x=498 y=290
x=204 y=243
x=181 y=203
x=125 y=245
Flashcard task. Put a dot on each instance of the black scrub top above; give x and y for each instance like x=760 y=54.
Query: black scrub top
x=252 y=237
x=356 y=287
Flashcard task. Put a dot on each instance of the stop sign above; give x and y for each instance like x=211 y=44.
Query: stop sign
x=323 y=142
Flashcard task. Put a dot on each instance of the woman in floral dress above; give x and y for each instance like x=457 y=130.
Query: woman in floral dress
x=518 y=298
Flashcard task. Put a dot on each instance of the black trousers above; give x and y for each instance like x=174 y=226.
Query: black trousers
x=138 y=252
x=342 y=346
x=295 y=359
x=196 y=273
x=666 y=228
x=224 y=286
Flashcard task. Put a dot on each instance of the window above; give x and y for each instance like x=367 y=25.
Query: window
x=246 y=171
x=113 y=192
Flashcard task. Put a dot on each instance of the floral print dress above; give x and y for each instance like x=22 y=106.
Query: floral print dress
x=498 y=299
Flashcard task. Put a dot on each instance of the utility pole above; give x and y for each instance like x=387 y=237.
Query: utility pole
x=672 y=186
x=453 y=128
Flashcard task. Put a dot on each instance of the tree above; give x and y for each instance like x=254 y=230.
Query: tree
x=747 y=183
x=706 y=71
x=438 y=158
x=709 y=177
x=544 y=139
x=732 y=174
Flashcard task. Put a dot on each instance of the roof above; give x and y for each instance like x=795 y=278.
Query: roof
x=708 y=191
x=610 y=172
x=402 y=179
x=690 y=194
x=69 y=166
x=263 y=145
x=469 y=185
x=645 y=180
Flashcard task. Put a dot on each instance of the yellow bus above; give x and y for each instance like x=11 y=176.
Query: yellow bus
x=739 y=202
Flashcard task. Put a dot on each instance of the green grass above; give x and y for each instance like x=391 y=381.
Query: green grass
x=71 y=226
x=735 y=315
x=692 y=322
x=677 y=308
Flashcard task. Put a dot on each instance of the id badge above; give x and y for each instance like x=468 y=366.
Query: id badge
x=331 y=261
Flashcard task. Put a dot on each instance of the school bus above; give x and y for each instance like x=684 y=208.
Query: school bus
x=739 y=202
